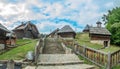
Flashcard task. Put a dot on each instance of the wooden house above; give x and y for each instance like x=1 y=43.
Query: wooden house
x=86 y=29
x=100 y=35
x=3 y=32
x=53 y=34
x=26 y=30
x=66 y=32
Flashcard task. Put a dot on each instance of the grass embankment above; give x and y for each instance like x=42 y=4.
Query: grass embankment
x=20 y=51
x=83 y=39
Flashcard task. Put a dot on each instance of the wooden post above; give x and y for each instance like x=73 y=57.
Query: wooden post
x=10 y=64
x=109 y=61
x=84 y=51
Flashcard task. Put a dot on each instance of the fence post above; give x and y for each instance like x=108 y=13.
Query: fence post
x=10 y=64
x=109 y=61
x=84 y=51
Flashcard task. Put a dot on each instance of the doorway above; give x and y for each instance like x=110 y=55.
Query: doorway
x=105 y=43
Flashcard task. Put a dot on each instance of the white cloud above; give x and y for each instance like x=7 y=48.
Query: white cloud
x=81 y=11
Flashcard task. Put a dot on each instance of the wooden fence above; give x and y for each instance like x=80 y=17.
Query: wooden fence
x=100 y=58
x=39 y=48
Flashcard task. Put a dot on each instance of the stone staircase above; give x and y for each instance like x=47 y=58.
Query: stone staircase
x=54 y=57
x=61 y=61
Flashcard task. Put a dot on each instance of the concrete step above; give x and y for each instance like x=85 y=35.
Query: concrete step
x=30 y=67
x=58 y=59
x=77 y=66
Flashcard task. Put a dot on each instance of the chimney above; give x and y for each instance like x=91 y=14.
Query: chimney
x=99 y=24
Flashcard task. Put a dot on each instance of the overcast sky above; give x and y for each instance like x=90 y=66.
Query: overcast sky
x=51 y=14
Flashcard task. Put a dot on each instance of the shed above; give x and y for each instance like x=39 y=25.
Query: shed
x=11 y=39
x=67 y=32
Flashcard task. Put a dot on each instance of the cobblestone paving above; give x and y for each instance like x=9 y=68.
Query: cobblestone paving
x=53 y=47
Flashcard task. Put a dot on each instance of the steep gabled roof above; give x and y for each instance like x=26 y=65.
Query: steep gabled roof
x=87 y=27
x=4 y=28
x=66 y=28
x=23 y=26
x=99 y=31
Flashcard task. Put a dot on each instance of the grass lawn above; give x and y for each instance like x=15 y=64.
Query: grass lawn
x=19 y=52
x=22 y=41
x=111 y=49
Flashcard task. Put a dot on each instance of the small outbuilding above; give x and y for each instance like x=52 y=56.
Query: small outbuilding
x=11 y=39
x=3 y=31
x=67 y=32
x=100 y=35
x=26 y=30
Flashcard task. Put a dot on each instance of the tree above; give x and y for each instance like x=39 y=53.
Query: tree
x=112 y=22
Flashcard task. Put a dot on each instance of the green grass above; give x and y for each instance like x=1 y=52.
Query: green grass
x=116 y=67
x=83 y=39
x=111 y=49
x=22 y=41
x=18 y=52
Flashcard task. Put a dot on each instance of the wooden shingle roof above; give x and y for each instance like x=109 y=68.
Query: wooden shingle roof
x=66 y=28
x=4 y=28
x=23 y=26
x=99 y=31
x=87 y=27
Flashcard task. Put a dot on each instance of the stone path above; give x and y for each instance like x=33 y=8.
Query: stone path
x=53 y=47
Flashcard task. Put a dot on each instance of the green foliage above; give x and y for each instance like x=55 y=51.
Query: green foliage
x=112 y=20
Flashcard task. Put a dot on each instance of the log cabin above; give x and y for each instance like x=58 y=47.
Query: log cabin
x=100 y=35
x=67 y=32
x=26 y=30
x=3 y=31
